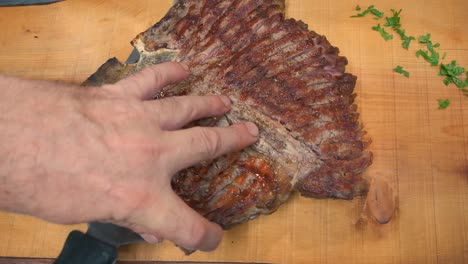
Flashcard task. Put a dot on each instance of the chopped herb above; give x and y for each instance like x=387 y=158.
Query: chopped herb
x=451 y=69
x=425 y=38
x=443 y=104
x=387 y=36
x=406 y=39
x=377 y=13
x=451 y=72
x=394 y=21
x=400 y=70
x=371 y=9
x=431 y=56
x=364 y=13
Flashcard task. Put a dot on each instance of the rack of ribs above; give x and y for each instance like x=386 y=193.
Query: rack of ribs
x=288 y=80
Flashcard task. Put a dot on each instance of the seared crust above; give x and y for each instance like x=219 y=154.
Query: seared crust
x=288 y=80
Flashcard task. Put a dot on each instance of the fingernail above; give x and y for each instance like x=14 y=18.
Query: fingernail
x=227 y=102
x=252 y=128
x=185 y=66
x=152 y=239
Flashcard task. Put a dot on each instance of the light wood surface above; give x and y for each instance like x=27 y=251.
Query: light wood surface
x=421 y=150
x=5 y=260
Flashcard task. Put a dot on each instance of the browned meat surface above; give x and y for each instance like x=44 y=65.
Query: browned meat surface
x=287 y=79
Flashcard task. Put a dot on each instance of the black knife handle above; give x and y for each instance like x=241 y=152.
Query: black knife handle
x=26 y=2
x=83 y=249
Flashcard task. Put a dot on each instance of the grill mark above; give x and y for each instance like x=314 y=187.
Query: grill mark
x=231 y=16
x=282 y=56
x=233 y=36
x=341 y=180
x=161 y=34
x=337 y=116
x=239 y=35
x=257 y=177
x=186 y=27
x=207 y=190
x=206 y=33
x=252 y=56
x=211 y=13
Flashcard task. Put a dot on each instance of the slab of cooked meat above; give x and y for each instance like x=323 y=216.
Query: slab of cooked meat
x=287 y=79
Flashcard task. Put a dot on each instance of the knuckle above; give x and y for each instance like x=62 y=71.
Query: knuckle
x=209 y=141
x=174 y=104
x=157 y=75
x=134 y=81
x=189 y=110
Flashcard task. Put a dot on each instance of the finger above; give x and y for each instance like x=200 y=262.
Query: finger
x=146 y=83
x=191 y=146
x=176 y=112
x=150 y=238
x=173 y=220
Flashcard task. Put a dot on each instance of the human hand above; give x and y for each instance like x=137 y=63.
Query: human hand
x=75 y=154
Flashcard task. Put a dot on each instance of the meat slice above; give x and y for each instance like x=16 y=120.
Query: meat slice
x=287 y=79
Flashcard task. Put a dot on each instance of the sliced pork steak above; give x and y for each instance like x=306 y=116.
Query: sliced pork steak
x=287 y=79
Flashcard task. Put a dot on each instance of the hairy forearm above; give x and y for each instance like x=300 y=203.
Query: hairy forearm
x=17 y=158
x=24 y=105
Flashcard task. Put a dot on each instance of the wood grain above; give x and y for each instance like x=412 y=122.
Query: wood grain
x=420 y=150
x=50 y=261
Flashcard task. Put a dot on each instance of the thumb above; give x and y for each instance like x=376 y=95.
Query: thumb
x=174 y=220
x=146 y=83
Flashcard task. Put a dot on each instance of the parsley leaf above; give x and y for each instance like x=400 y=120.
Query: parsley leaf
x=394 y=21
x=406 y=39
x=400 y=70
x=443 y=104
x=385 y=35
x=431 y=56
x=377 y=13
x=358 y=8
x=425 y=38
x=371 y=9
x=451 y=72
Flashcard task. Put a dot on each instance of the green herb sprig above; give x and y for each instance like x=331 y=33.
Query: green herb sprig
x=385 y=35
x=370 y=10
x=431 y=55
x=443 y=104
x=394 y=21
x=400 y=70
x=452 y=71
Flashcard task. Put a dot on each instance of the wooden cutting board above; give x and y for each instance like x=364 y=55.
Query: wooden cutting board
x=420 y=150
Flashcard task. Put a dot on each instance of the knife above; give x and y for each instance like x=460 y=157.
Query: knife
x=26 y=2
x=98 y=246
